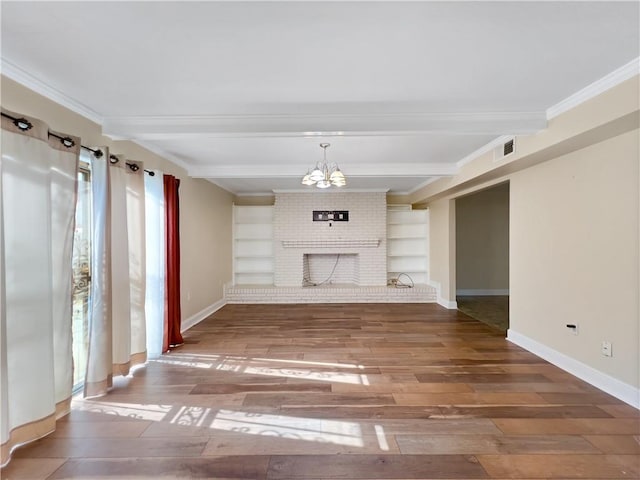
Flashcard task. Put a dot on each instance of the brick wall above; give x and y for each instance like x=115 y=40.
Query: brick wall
x=367 y=221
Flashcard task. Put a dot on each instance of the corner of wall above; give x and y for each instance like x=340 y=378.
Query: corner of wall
x=448 y=304
x=193 y=320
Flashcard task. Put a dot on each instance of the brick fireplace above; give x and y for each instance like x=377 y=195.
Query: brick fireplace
x=360 y=242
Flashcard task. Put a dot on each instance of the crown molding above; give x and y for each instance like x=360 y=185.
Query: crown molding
x=607 y=82
x=16 y=73
x=469 y=123
x=288 y=170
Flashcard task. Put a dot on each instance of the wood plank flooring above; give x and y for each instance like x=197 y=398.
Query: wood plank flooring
x=385 y=391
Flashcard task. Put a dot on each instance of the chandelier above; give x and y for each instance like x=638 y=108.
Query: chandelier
x=324 y=175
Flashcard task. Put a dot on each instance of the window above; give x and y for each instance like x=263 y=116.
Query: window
x=81 y=274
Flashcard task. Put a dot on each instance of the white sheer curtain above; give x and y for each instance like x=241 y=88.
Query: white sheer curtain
x=64 y=191
x=155 y=236
x=137 y=260
x=98 y=378
x=117 y=337
x=38 y=180
x=121 y=283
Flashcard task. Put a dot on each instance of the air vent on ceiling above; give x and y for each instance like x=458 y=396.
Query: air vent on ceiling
x=504 y=150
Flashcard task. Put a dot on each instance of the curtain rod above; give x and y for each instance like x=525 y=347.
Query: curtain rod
x=112 y=158
x=24 y=125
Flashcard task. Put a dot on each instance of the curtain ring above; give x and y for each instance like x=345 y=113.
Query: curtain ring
x=23 y=124
x=113 y=159
x=67 y=142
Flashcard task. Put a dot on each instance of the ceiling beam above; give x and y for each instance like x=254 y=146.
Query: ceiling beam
x=355 y=170
x=474 y=123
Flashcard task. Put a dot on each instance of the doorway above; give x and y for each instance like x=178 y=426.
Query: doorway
x=482 y=255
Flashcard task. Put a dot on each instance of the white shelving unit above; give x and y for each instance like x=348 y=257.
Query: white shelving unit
x=253 y=259
x=407 y=243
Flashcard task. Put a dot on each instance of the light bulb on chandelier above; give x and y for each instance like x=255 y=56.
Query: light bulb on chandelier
x=324 y=175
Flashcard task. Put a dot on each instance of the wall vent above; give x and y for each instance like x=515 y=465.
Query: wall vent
x=506 y=149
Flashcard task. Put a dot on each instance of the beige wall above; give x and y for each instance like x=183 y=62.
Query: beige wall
x=442 y=241
x=574 y=254
x=205 y=209
x=482 y=241
x=206 y=223
x=574 y=228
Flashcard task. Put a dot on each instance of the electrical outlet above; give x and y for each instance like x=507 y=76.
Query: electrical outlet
x=573 y=328
x=607 y=349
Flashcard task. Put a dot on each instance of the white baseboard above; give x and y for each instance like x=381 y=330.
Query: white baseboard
x=187 y=323
x=482 y=292
x=447 y=303
x=623 y=391
x=451 y=305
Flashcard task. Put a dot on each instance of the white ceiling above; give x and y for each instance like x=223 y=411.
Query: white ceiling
x=242 y=93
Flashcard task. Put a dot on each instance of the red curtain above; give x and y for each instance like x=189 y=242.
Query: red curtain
x=172 y=335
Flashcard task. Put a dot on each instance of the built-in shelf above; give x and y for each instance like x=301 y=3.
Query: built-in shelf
x=407 y=244
x=254 y=270
x=253 y=258
x=253 y=278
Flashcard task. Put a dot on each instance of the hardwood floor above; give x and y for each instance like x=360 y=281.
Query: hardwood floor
x=385 y=391
x=490 y=309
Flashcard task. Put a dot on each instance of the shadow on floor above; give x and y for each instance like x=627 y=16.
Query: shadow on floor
x=492 y=310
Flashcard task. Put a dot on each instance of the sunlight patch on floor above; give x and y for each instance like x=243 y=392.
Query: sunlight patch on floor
x=155 y=413
x=305 y=362
x=210 y=361
x=184 y=363
x=300 y=373
x=307 y=429
x=382 y=439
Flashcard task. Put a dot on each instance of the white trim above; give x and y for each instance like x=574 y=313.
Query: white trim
x=596 y=88
x=446 y=303
x=482 y=292
x=286 y=170
x=607 y=82
x=451 y=305
x=187 y=323
x=21 y=76
x=623 y=391
x=332 y=124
